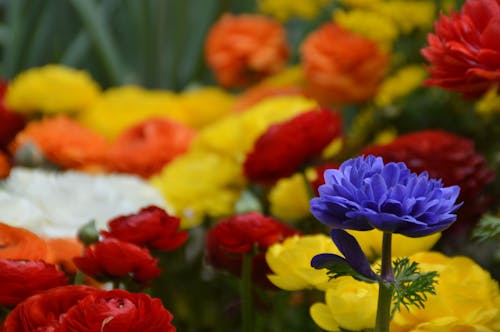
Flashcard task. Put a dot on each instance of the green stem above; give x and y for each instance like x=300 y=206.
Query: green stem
x=386 y=286
x=79 y=278
x=246 y=293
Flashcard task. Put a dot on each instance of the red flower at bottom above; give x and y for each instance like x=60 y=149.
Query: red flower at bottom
x=43 y=312
x=229 y=239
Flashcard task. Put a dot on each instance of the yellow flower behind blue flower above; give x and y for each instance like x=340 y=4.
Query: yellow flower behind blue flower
x=290 y=262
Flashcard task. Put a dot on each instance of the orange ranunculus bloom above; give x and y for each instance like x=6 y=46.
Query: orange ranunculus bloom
x=4 y=166
x=242 y=49
x=145 y=148
x=341 y=67
x=64 y=142
x=19 y=243
x=61 y=251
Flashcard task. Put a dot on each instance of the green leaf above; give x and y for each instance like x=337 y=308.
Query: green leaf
x=411 y=287
x=488 y=228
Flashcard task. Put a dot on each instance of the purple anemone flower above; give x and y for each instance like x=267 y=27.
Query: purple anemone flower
x=364 y=194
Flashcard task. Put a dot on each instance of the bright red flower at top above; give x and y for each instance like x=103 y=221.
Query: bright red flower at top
x=464 y=52
x=447 y=156
x=45 y=311
x=231 y=238
x=151 y=227
x=20 y=279
x=10 y=123
x=242 y=49
x=115 y=311
x=286 y=147
x=112 y=258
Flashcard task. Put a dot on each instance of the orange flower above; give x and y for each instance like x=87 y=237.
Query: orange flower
x=145 y=148
x=63 y=142
x=61 y=251
x=245 y=48
x=341 y=67
x=4 y=165
x=19 y=243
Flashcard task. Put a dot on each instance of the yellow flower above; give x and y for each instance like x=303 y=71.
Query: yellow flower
x=290 y=262
x=371 y=243
x=284 y=9
x=361 y=3
x=121 y=107
x=408 y=15
x=403 y=82
x=201 y=107
x=372 y=25
x=52 y=89
x=199 y=184
x=290 y=76
x=489 y=103
x=349 y=304
x=289 y=198
x=467 y=298
x=234 y=135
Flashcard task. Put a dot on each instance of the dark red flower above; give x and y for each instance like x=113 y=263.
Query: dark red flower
x=113 y=258
x=19 y=279
x=286 y=147
x=116 y=311
x=151 y=227
x=464 y=52
x=250 y=233
x=10 y=123
x=447 y=156
x=45 y=311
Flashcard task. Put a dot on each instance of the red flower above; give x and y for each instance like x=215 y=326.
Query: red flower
x=245 y=48
x=114 y=258
x=116 y=311
x=4 y=165
x=86 y=309
x=340 y=66
x=145 y=148
x=45 y=311
x=10 y=123
x=447 y=156
x=20 y=279
x=151 y=226
x=230 y=238
x=287 y=146
x=465 y=50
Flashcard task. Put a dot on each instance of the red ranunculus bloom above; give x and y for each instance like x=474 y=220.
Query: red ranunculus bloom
x=117 y=311
x=45 y=311
x=151 y=227
x=231 y=238
x=19 y=279
x=447 y=156
x=113 y=258
x=10 y=123
x=464 y=52
x=285 y=147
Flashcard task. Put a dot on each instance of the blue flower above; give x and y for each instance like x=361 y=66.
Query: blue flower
x=364 y=194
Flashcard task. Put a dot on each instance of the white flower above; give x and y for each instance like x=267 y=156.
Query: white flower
x=57 y=204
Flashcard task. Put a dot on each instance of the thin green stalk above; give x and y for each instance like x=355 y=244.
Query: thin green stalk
x=386 y=286
x=100 y=35
x=246 y=293
x=79 y=278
